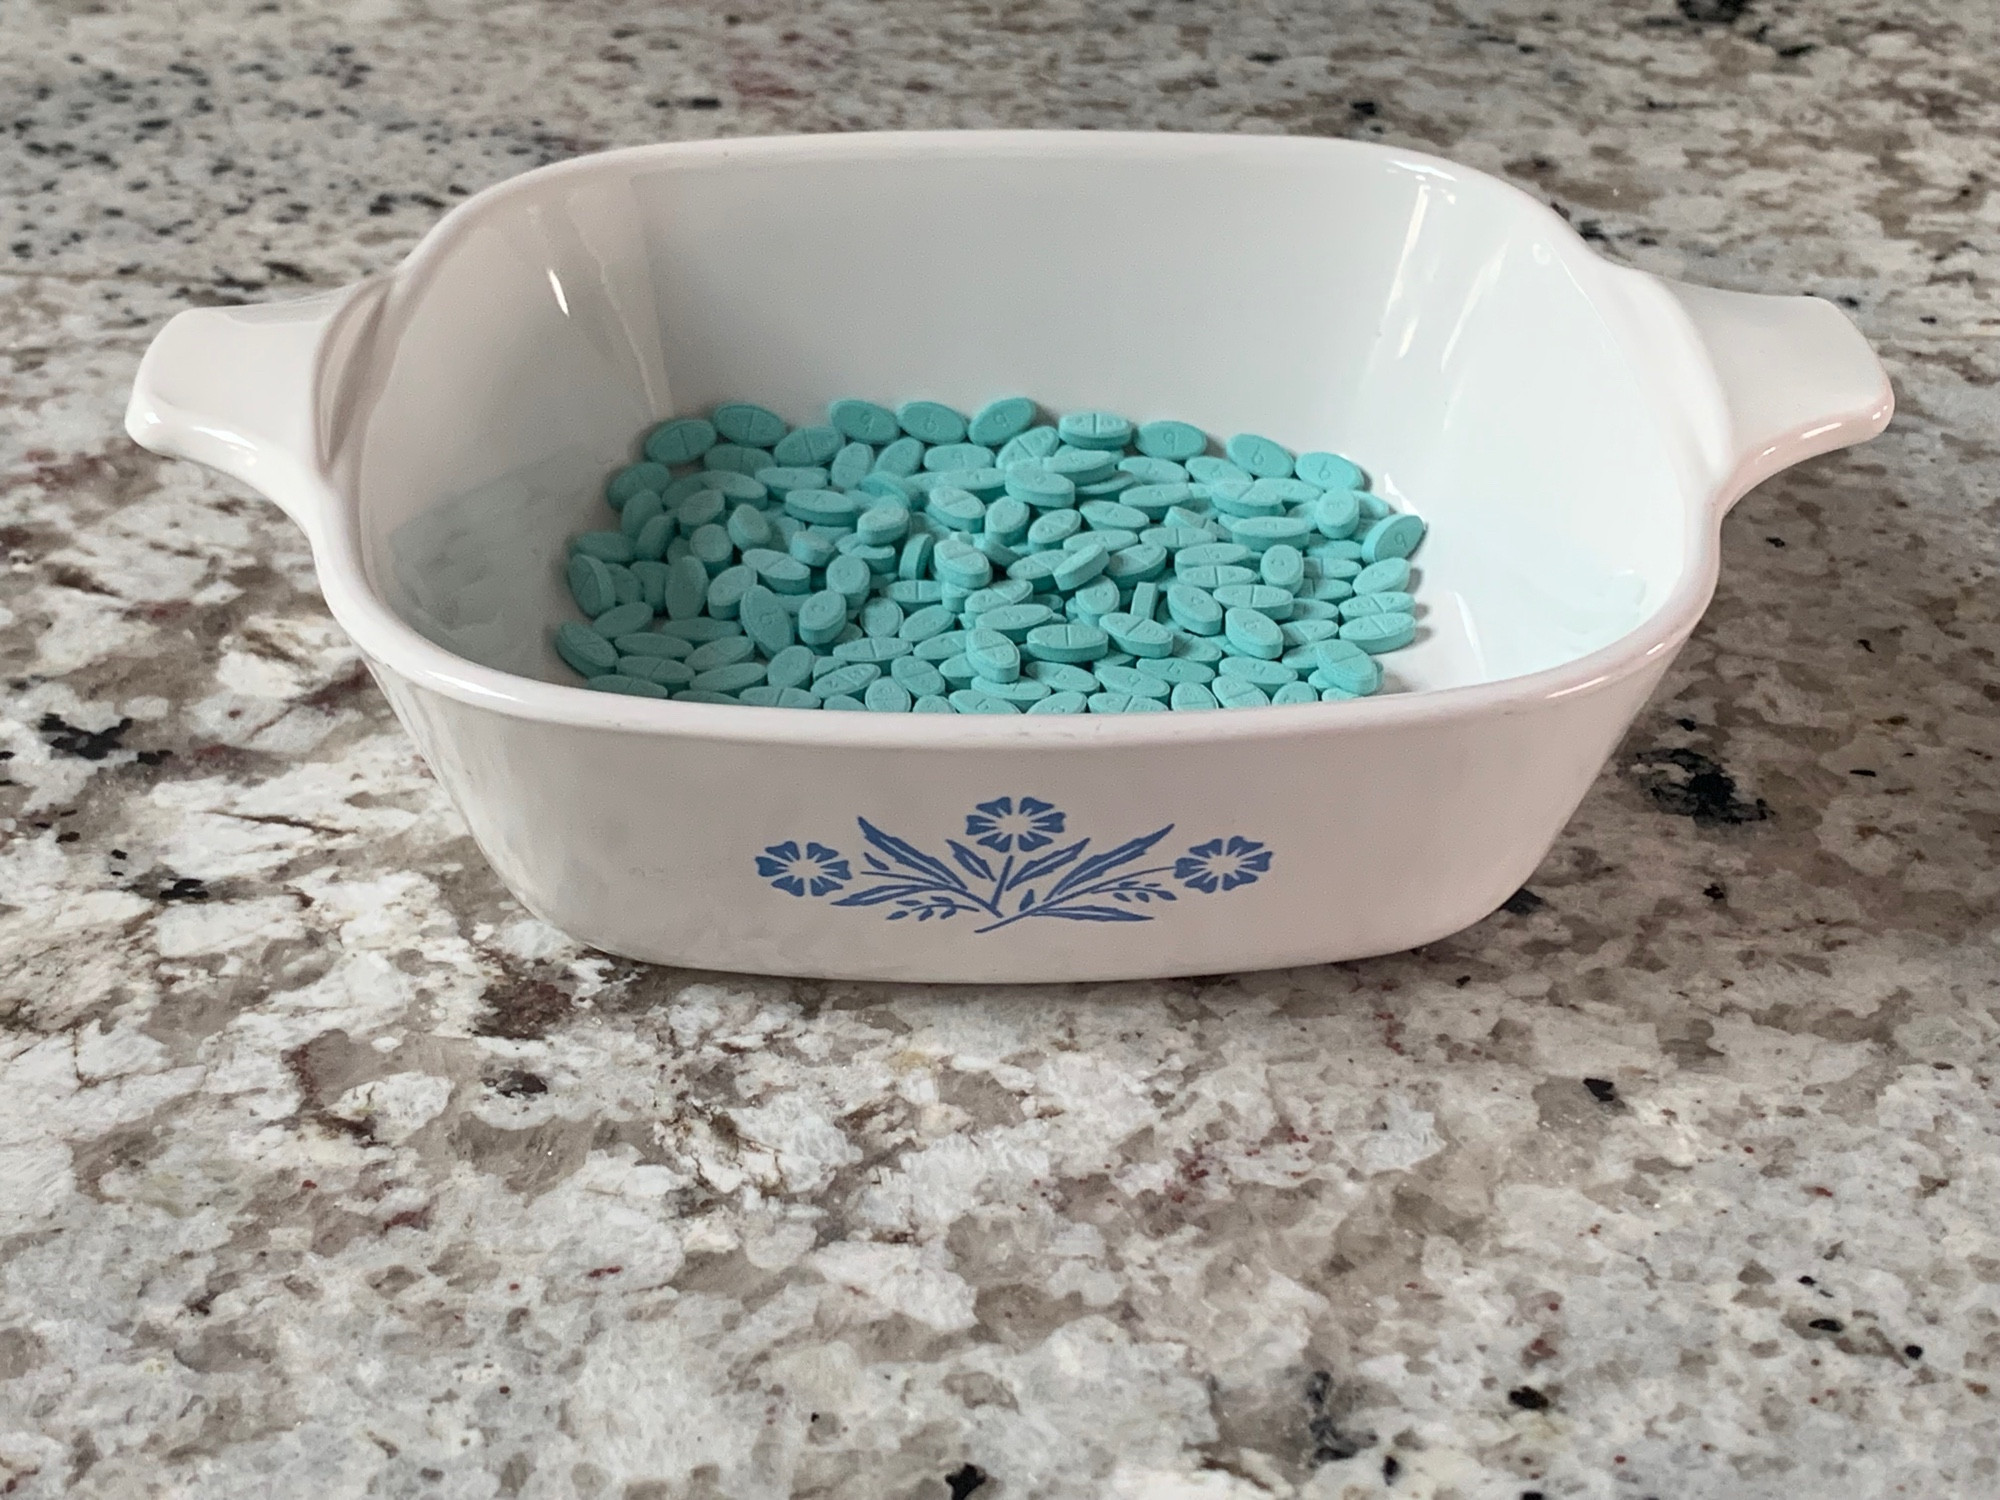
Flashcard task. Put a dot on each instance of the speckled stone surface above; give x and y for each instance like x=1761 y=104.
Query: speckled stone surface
x=324 y=1170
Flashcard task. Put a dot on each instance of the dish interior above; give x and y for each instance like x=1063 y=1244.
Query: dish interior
x=1432 y=325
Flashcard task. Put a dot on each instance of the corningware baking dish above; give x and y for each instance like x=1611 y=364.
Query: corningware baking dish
x=1573 y=431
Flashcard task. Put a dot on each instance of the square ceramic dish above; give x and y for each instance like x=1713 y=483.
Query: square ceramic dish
x=1573 y=431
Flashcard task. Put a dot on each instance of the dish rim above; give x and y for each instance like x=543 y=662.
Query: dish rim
x=385 y=637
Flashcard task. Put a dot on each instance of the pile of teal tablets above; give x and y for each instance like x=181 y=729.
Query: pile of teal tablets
x=917 y=560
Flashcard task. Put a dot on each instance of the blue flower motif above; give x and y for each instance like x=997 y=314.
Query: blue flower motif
x=1222 y=863
x=819 y=869
x=1001 y=825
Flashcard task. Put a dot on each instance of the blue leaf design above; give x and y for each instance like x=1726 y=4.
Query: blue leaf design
x=1086 y=887
x=1035 y=869
x=1099 y=864
x=973 y=863
x=1093 y=914
x=910 y=856
x=875 y=895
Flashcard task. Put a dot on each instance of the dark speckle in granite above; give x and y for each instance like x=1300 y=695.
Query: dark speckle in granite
x=325 y=1169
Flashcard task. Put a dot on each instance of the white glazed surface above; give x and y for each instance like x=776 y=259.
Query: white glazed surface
x=1574 y=431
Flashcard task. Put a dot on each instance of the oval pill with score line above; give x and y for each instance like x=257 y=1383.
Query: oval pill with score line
x=993 y=656
x=1346 y=666
x=1176 y=441
x=1010 y=519
x=948 y=458
x=1212 y=554
x=1193 y=609
x=931 y=422
x=1139 y=562
x=1274 y=603
x=970 y=701
x=821 y=617
x=1035 y=443
x=1388 y=602
x=1175 y=669
x=636 y=687
x=726 y=591
x=1061 y=703
x=1207 y=469
x=584 y=649
x=817 y=506
x=963 y=567
x=1068 y=643
x=1282 y=566
x=790 y=667
x=915 y=559
x=882 y=616
x=863 y=421
x=1252 y=633
x=734 y=457
x=747 y=424
x=623 y=619
x=994 y=596
x=1153 y=471
x=899 y=459
x=1022 y=692
x=1001 y=420
x=1094 y=429
x=1239 y=692
x=887 y=696
x=1078 y=566
x=850 y=465
x=662 y=670
x=1392 y=537
x=1107 y=515
x=922 y=678
x=958 y=509
x=1259 y=456
x=1329 y=471
x=724 y=651
x=1040 y=486
x=811 y=447
x=1260 y=533
x=635 y=480
x=680 y=440
x=1391 y=575
x=1379 y=633
x=1266 y=674
x=1132 y=681
x=847 y=680
x=1081 y=466
x=1063 y=677
x=1015 y=621
x=883 y=525
x=731 y=678
x=1140 y=637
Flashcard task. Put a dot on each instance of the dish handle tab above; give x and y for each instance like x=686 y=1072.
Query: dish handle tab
x=1797 y=378
x=234 y=388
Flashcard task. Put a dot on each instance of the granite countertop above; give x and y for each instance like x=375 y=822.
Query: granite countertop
x=325 y=1170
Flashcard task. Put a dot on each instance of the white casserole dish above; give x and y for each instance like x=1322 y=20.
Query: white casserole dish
x=1573 y=431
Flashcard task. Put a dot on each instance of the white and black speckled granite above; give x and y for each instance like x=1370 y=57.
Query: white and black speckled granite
x=325 y=1171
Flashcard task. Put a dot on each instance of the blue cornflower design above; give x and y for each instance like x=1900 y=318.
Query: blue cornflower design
x=1001 y=825
x=818 y=870
x=1224 y=863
